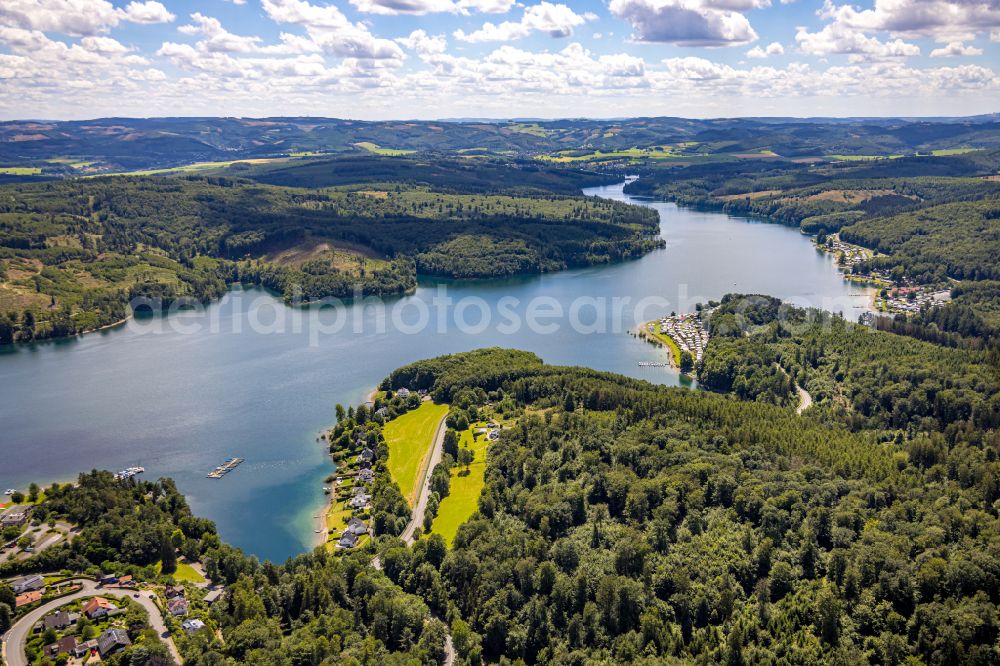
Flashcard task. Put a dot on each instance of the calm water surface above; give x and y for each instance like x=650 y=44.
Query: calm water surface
x=180 y=401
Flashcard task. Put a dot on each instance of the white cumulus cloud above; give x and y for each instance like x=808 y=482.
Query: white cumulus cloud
x=329 y=28
x=953 y=49
x=689 y=22
x=78 y=17
x=774 y=48
x=837 y=38
x=424 y=44
x=557 y=20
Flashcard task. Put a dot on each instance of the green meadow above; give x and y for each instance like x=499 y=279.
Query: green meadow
x=410 y=437
x=463 y=499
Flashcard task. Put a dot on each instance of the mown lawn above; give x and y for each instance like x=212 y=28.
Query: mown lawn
x=410 y=438
x=463 y=499
x=185 y=572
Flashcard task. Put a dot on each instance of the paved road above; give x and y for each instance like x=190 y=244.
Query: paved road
x=417 y=521
x=13 y=645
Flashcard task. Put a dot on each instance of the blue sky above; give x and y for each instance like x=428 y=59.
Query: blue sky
x=377 y=59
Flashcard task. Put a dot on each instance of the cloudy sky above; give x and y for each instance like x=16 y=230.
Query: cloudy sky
x=379 y=59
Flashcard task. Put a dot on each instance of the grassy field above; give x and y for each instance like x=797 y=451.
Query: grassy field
x=655 y=152
x=952 y=151
x=861 y=158
x=410 y=438
x=379 y=150
x=463 y=500
x=197 y=167
x=666 y=340
x=20 y=171
x=184 y=573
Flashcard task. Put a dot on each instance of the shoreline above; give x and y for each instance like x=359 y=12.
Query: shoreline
x=673 y=351
x=323 y=537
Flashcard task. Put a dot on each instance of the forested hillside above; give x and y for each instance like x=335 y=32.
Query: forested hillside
x=626 y=523
x=623 y=522
x=927 y=221
x=73 y=253
x=60 y=148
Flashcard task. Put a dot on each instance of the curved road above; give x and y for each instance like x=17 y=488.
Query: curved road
x=13 y=645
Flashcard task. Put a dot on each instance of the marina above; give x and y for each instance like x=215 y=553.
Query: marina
x=225 y=468
x=129 y=472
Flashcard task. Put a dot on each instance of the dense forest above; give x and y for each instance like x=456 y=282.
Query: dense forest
x=75 y=253
x=624 y=522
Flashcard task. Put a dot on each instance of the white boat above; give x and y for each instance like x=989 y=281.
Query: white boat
x=10 y=491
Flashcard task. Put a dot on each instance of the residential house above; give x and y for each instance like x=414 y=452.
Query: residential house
x=96 y=607
x=349 y=540
x=65 y=645
x=112 y=641
x=60 y=620
x=356 y=526
x=213 y=596
x=84 y=649
x=108 y=580
x=173 y=591
x=28 y=584
x=366 y=475
x=359 y=501
x=192 y=626
x=177 y=606
x=27 y=598
x=367 y=455
x=382 y=411
x=403 y=393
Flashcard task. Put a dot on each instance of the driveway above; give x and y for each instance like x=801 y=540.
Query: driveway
x=14 y=641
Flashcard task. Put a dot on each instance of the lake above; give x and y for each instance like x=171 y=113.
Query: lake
x=247 y=376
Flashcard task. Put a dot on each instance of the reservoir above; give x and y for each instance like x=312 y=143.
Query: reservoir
x=249 y=377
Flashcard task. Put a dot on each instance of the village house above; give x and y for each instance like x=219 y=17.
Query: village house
x=213 y=596
x=84 y=649
x=356 y=526
x=28 y=584
x=27 y=598
x=360 y=501
x=112 y=641
x=66 y=645
x=177 y=606
x=60 y=620
x=98 y=607
x=348 y=540
x=192 y=626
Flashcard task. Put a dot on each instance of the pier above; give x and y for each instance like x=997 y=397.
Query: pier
x=225 y=468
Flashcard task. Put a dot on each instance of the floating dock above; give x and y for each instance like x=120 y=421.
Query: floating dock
x=128 y=473
x=225 y=468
